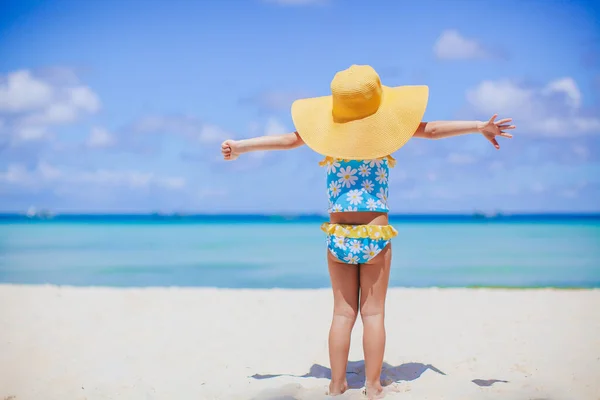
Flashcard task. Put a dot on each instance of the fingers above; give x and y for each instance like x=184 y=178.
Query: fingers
x=506 y=135
x=493 y=118
x=504 y=121
x=226 y=151
x=495 y=143
x=505 y=127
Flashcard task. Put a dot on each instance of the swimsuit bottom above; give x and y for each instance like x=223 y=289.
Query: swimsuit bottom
x=357 y=244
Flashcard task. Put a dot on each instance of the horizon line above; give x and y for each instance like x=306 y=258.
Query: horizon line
x=474 y=214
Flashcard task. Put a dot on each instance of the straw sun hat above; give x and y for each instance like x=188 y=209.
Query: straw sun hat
x=361 y=119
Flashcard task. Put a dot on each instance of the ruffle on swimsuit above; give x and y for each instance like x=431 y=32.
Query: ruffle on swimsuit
x=357 y=244
x=330 y=160
x=384 y=232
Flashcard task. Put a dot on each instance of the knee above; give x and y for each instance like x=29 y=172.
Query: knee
x=347 y=312
x=372 y=310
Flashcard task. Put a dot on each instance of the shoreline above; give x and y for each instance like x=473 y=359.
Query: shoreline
x=250 y=289
x=283 y=218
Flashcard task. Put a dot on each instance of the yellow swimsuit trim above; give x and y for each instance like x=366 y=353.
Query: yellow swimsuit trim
x=385 y=232
x=330 y=160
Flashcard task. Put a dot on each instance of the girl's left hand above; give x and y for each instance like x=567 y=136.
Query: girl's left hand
x=230 y=150
x=492 y=128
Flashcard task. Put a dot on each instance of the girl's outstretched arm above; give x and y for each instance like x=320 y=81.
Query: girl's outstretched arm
x=231 y=149
x=446 y=129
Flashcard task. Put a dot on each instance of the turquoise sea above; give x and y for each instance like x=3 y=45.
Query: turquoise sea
x=277 y=252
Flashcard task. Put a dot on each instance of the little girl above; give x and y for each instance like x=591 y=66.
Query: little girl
x=357 y=128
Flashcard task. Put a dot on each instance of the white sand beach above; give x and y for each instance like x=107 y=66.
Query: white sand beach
x=175 y=343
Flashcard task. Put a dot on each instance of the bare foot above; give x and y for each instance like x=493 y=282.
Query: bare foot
x=337 y=389
x=374 y=392
x=377 y=392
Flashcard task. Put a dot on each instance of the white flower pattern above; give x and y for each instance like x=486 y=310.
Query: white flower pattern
x=364 y=170
x=378 y=162
x=332 y=165
x=372 y=204
x=370 y=251
x=355 y=246
x=356 y=251
x=368 y=186
x=334 y=189
x=354 y=197
x=382 y=196
x=357 y=185
x=381 y=176
x=347 y=176
x=339 y=242
x=351 y=258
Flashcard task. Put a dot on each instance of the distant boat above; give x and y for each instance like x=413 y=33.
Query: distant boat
x=46 y=214
x=483 y=215
x=42 y=214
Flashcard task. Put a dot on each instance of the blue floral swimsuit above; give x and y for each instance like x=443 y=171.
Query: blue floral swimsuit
x=360 y=186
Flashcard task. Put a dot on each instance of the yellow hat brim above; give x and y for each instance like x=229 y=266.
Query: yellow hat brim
x=378 y=135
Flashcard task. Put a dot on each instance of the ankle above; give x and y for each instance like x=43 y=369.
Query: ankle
x=373 y=384
x=337 y=382
x=337 y=387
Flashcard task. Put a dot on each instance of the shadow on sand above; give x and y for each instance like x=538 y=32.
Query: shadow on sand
x=355 y=373
x=488 y=382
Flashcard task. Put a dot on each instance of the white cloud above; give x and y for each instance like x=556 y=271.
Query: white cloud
x=568 y=87
x=31 y=105
x=15 y=174
x=100 y=138
x=130 y=179
x=20 y=92
x=186 y=126
x=48 y=175
x=26 y=133
x=48 y=172
x=212 y=134
x=274 y=127
x=274 y=101
x=552 y=110
x=451 y=45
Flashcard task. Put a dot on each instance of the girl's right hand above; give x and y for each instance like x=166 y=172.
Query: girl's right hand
x=493 y=128
x=229 y=149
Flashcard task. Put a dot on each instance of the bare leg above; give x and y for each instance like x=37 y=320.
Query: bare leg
x=374 y=278
x=344 y=282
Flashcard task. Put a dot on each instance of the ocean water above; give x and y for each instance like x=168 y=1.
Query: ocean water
x=259 y=252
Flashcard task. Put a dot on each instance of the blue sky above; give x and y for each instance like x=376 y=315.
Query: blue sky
x=110 y=106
